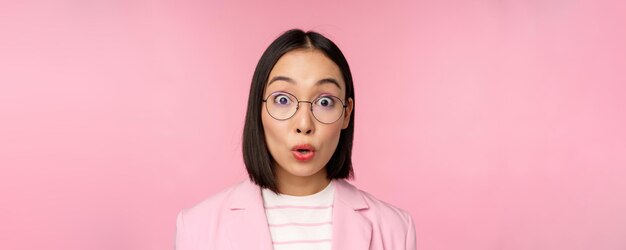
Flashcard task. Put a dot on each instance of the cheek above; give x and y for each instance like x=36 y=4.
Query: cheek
x=332 y=136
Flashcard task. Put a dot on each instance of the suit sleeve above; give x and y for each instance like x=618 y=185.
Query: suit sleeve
x=410 y=235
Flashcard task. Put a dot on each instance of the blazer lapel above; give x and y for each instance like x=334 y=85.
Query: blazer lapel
x=350 y=229
x=246 y=223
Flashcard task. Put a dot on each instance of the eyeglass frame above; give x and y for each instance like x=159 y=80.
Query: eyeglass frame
x=343 y=105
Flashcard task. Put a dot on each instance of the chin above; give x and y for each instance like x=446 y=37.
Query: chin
x=301 y=170
x=302 y=173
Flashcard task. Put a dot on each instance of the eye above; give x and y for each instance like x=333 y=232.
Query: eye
x=325 y=101
x=282 y=99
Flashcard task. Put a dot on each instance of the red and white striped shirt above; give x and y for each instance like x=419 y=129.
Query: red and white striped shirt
x=300 y=222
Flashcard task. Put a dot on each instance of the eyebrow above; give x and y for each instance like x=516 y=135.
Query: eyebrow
x=289 y=80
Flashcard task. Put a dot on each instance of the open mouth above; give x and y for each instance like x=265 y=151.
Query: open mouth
x=303 y=152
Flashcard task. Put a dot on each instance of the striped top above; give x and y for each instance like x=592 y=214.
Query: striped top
x=300 y=222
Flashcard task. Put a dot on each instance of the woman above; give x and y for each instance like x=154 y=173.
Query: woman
x=297 y=146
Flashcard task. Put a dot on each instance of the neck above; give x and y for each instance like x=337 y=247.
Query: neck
x=301 y=186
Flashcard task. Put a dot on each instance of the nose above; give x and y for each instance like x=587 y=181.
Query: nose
x=304 y=119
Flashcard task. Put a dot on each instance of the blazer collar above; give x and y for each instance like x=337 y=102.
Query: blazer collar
x=247 y=218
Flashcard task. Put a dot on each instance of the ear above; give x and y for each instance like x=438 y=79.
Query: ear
x=346 y=118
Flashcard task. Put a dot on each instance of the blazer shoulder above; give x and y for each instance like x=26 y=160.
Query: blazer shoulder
x=387 y=213
x=212 y=205
x=397 y=222
x=197 y=224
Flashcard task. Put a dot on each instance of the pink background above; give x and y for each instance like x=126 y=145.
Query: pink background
x=496 y=124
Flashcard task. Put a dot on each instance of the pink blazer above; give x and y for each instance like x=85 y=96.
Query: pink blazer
x=234 y=219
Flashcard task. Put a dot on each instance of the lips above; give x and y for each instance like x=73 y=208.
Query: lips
x=303 y=152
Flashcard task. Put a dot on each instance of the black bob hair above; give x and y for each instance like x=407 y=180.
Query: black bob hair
x=256 y=156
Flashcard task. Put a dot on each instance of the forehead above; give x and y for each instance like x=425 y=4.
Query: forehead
x=306 y=67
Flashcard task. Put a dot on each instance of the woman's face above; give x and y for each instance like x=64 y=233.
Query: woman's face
x=298 y=73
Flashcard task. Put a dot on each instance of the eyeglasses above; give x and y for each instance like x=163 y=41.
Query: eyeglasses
x=325 y=108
